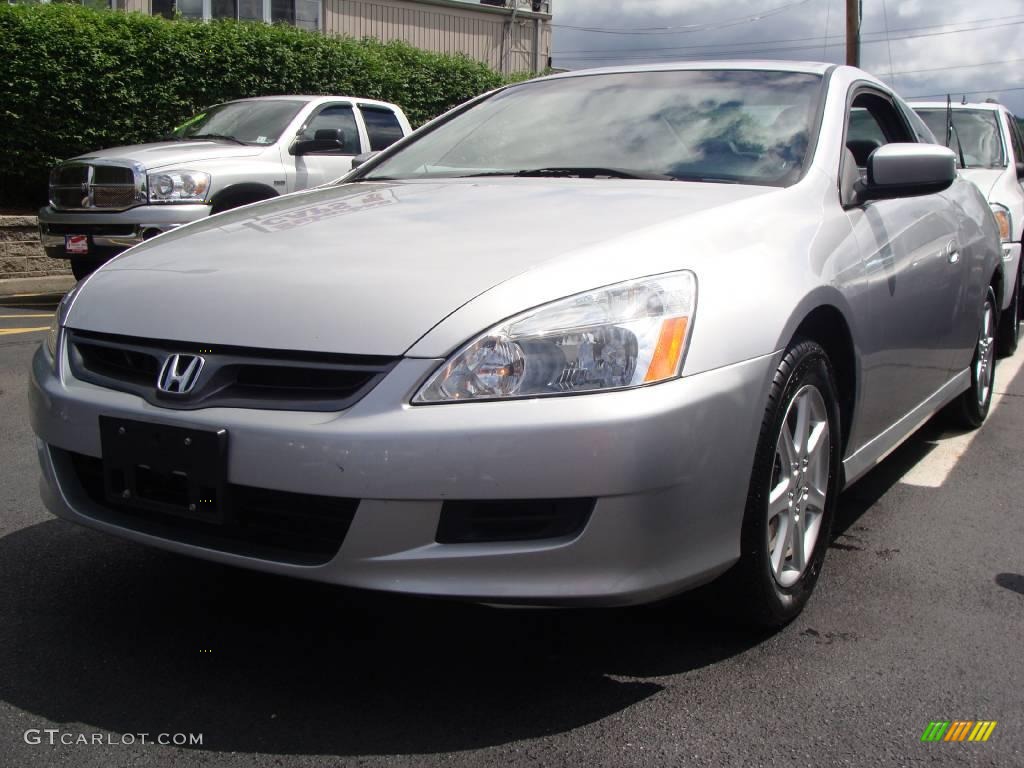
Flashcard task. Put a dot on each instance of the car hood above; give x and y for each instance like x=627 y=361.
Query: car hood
x=985 y=178
x=369 y=268
x=166 y=153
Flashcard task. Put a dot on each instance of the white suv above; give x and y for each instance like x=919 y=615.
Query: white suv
x=990 y=145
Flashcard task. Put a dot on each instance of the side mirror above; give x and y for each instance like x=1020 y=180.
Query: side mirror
x=907 y=170
x=324 y=140
x=1020 y=171
x=363 y=158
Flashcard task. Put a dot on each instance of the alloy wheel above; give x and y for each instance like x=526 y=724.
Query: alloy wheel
x=985 y=358
x=799 y=487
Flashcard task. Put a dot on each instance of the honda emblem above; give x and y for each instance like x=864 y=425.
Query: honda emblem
x=180 y=374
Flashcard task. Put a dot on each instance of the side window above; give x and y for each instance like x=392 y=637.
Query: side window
x=873 y=122
x=1016 y=139
x=335 y=116
x=382 y=127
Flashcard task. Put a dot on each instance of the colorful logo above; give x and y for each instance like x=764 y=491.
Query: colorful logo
x=958 y=730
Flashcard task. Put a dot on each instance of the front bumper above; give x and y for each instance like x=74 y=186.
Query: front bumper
x=668 y=466
x=111 y=232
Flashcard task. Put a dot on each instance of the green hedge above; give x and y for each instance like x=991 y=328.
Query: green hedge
x=74 y=80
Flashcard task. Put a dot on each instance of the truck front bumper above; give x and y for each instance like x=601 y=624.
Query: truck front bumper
x=111 y=232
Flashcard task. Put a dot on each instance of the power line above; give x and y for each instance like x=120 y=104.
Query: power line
x=1002 y=21
x=983 y=90
x=959 y=66
x=615 y=54
x=687 y=28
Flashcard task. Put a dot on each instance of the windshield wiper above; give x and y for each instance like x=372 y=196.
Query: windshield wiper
x=569 y=172
x=221 y=136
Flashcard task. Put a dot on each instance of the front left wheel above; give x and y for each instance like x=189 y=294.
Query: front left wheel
x=793 y=490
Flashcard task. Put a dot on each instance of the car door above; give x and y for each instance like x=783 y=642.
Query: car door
x=913 y=275
x=320 y=167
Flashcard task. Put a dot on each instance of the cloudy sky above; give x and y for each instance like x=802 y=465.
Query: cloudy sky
x=932 y=46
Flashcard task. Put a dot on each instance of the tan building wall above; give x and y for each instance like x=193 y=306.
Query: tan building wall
x=507 y=42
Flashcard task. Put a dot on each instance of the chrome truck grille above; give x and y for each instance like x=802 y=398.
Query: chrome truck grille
x=85 y=186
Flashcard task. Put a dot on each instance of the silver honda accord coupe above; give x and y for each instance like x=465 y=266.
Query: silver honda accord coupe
x=596 y=338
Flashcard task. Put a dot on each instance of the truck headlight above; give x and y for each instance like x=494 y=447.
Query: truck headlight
x=178 y=186
x=1005 y=222
x=622 y=336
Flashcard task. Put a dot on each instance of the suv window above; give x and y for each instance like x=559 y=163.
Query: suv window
x=1016 y=138
x=382 y=127
x=976 y=133
x=334 y=116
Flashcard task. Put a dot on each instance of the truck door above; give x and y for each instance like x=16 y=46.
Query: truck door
x=317 y=168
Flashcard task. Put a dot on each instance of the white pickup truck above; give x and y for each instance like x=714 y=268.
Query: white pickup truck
x=990 y=147
x=232 y=154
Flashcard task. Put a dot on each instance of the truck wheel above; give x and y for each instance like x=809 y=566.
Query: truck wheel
x=81 y=269
x=231 y=198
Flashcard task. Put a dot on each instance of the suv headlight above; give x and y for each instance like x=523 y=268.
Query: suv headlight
x=1002 y=214
x=625 y=335
x=178 y=186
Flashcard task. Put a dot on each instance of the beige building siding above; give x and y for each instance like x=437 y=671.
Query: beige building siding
x=495 y=36
x=480 y=34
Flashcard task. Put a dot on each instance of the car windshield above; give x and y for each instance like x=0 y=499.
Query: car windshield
x=739 y=126
x=977 y=130
x=245 y=122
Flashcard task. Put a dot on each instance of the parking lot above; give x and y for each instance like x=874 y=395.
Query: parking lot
x=917 y=618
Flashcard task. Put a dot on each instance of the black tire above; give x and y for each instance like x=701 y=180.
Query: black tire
x=1009 y=324
x=753 y=589
x=971 y=409
x=81 y=269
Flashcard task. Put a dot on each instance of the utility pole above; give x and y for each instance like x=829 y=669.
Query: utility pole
x=853 y=9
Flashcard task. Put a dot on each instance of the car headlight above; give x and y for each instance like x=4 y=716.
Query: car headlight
x=178 y=186
x=625 y=335
x=1002 y=214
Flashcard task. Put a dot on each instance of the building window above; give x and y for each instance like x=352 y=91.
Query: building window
x=304 y=14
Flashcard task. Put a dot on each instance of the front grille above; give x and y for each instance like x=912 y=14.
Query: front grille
x=475 y=522
x=275 y=525
x=231 y=377
x=110 y=196
x=88 y=186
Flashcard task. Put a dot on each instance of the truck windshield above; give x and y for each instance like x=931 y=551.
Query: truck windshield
x=978 y=131
x=245 y=122
x=739 y=126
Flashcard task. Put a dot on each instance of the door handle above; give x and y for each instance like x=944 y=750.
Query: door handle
x=952 y=253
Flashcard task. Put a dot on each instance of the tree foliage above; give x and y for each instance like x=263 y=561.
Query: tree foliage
x=76 y=79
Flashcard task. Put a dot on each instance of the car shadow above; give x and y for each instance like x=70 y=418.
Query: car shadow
x=865 y=493
x=131 y=640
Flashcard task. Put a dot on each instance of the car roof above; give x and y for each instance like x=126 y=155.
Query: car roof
x=762 y=65
x=957 y=105
x=309 y=98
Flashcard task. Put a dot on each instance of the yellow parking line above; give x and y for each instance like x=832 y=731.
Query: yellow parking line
x=13 y=331
x=18 y=317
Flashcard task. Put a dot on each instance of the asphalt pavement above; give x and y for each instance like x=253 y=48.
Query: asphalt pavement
x=918 y=617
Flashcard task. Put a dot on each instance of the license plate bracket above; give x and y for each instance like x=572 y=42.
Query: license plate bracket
x=76 y=243
x=177 y=471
